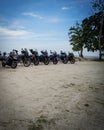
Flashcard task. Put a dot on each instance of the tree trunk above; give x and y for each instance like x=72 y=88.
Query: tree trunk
x=100 y=56
x=81 y=52
x=100 y=35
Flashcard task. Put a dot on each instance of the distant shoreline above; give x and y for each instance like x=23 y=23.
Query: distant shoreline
x=89 y=58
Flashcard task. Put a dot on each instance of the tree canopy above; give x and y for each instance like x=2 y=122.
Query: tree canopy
x=76 y=39
x=91 y=28
x=87 y=34
x=90 y=33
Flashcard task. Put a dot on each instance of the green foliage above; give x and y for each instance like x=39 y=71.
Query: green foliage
x=87 y=34
x=76 y=39
x=98 y=5
x=91 y=27
x=90 y=33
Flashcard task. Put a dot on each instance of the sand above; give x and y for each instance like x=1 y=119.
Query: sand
x=53 y=97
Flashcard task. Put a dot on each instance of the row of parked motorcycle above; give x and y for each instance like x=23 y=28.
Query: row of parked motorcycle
x=27 y=58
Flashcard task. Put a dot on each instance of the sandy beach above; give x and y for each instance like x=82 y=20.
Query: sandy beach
x=53 y=97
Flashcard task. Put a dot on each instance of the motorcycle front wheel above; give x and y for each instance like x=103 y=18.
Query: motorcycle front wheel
x=14 y=64
x=46 y=61
x=55 y=61
x=36 y=61
x=27 y=62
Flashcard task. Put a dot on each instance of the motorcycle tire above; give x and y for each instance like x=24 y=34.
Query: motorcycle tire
x=55 y=61
x=46 y=61
x=72 y=61
x=27 y=62
x=3 y=64
x=65 y=61
x=36 y=61
x=14 y=64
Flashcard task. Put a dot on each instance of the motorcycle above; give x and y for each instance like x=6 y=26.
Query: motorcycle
x=71 y=58
x=3 y=56
x=25 y=58
x=34 y=57
x=44 y=57
x=63 y=57
x=53 y=57
x=10 y=60
x=0 y=56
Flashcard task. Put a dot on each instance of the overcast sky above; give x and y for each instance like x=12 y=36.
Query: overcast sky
x=41 y=24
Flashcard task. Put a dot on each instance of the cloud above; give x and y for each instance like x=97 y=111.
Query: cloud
x=5 y=32
x=65 y=8
x=16 y=25
x=32 y=15
x=47 y=19
x=54 y=20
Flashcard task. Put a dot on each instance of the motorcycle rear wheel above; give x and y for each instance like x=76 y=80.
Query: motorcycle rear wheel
x=65 y=61
x=3 y=64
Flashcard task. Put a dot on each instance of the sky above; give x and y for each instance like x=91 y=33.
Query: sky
x=40 y=24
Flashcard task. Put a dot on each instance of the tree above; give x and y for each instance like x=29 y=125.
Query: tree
x=91 y=27
x=98 y=5
x=90 y=33
x=76 y=40
x=87 y=35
